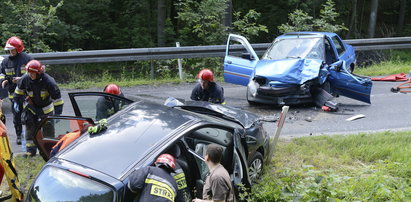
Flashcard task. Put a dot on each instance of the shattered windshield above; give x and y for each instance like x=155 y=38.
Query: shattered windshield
x=312 y=48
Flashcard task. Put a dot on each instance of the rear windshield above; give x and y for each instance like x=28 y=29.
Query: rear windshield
x=55 y=184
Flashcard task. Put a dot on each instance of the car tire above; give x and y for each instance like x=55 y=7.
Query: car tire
x=248 y=100
x=255 y=167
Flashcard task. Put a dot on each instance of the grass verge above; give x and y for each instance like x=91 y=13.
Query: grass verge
x=364 y=167
x=27 y=169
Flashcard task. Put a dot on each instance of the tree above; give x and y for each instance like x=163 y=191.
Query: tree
x=35 y=23
x=373 y=18
x=301 y=21
x=161 y=18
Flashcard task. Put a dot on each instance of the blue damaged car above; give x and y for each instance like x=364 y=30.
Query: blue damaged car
x=295 y=68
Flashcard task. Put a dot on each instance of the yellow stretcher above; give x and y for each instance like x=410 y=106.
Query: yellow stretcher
x=7 y=166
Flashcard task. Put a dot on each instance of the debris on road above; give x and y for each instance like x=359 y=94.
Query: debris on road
x=308 y=119
x=359 y=116
x=404 y=87
x=394 y=77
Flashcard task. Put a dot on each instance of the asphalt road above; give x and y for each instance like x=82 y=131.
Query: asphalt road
x=388 y=111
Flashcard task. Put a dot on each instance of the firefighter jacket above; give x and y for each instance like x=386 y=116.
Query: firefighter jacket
x=106 y=107
x=153 y=184
x=13 y=66
x=44 y=94
x=214 y=93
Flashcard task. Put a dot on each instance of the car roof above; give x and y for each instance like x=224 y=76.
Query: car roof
x=130 y=136
x=305 y=34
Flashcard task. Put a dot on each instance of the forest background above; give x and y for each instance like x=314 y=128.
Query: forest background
x=57 y=25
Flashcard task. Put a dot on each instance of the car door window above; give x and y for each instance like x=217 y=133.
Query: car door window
x=236 y=49
x=53 y=129
x=97 y=105
x=338 y=45
x=329 y=53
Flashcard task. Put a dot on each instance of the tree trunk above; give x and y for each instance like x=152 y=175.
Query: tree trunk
x=373 y=18
x=228 y=19
x=352 y=28
x=161 y=18
x=401 y=16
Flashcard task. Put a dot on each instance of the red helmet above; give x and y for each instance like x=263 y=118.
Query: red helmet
x=34 y=66
x=166 y=160
x=14 y=43
x=112 y=89
x=206 y=75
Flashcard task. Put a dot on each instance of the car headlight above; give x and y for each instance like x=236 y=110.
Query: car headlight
x=252 y=87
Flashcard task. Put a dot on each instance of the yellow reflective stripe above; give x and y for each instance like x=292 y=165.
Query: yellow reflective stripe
x=10 y=73
x=48 y=109
x=31 y=110
x=44 y=94
x=18 y=91
x=30 y=93
x=58 y=102
x=11 y=96
x=161 y=192
x=23 y=69
x=178 y=176
x=2 y=76
x=161 y=189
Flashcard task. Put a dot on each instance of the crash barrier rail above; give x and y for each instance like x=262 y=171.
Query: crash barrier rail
x=117 y=55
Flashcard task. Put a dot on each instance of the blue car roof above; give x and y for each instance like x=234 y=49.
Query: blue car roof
x=305 y=34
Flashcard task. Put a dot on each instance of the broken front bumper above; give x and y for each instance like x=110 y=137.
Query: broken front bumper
x=292 y=95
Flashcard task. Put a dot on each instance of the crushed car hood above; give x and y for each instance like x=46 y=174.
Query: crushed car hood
x=246 y=119
x=289 y=71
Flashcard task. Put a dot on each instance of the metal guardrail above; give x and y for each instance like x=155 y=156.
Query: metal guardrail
x=117 y=55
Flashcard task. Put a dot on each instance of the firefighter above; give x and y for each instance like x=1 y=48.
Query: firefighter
x=12 y=69
x=154 y=183
x=106 y=106
x=206 y=89
x=41 y=96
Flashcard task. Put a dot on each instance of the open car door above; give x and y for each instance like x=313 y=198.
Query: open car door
x=239 y=61
x=54 y=128
x=349 y=85
x=97 y=105
x=233 y=159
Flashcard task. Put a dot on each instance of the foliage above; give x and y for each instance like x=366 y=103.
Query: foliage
x=202 y=19
x=395 y=62
x=363 y=167
x=302 y=21
x=247 y=26
x=35 y=23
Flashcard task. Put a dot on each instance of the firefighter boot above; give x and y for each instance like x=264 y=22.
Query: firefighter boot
x=19 y=130
x=31 y=150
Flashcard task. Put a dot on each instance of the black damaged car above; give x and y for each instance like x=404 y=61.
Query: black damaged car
x=97 y=166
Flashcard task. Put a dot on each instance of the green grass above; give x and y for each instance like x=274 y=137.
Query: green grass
x=27 y=169
x=364 y=167
x=385 y=68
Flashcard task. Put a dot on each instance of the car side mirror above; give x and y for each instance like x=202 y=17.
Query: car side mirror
x=247 y=56
x=338 y=67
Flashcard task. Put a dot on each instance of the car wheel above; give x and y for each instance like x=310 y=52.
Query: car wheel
x=248 y=100
x=255 y=167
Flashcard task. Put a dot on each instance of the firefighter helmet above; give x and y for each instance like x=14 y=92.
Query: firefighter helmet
x=166 y=160
x=206 y=75
x=34 y=66
x=112 y=89
x=14 y=43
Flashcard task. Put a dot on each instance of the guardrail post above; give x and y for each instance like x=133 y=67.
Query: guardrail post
x=151 y=69
x=180 y=68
